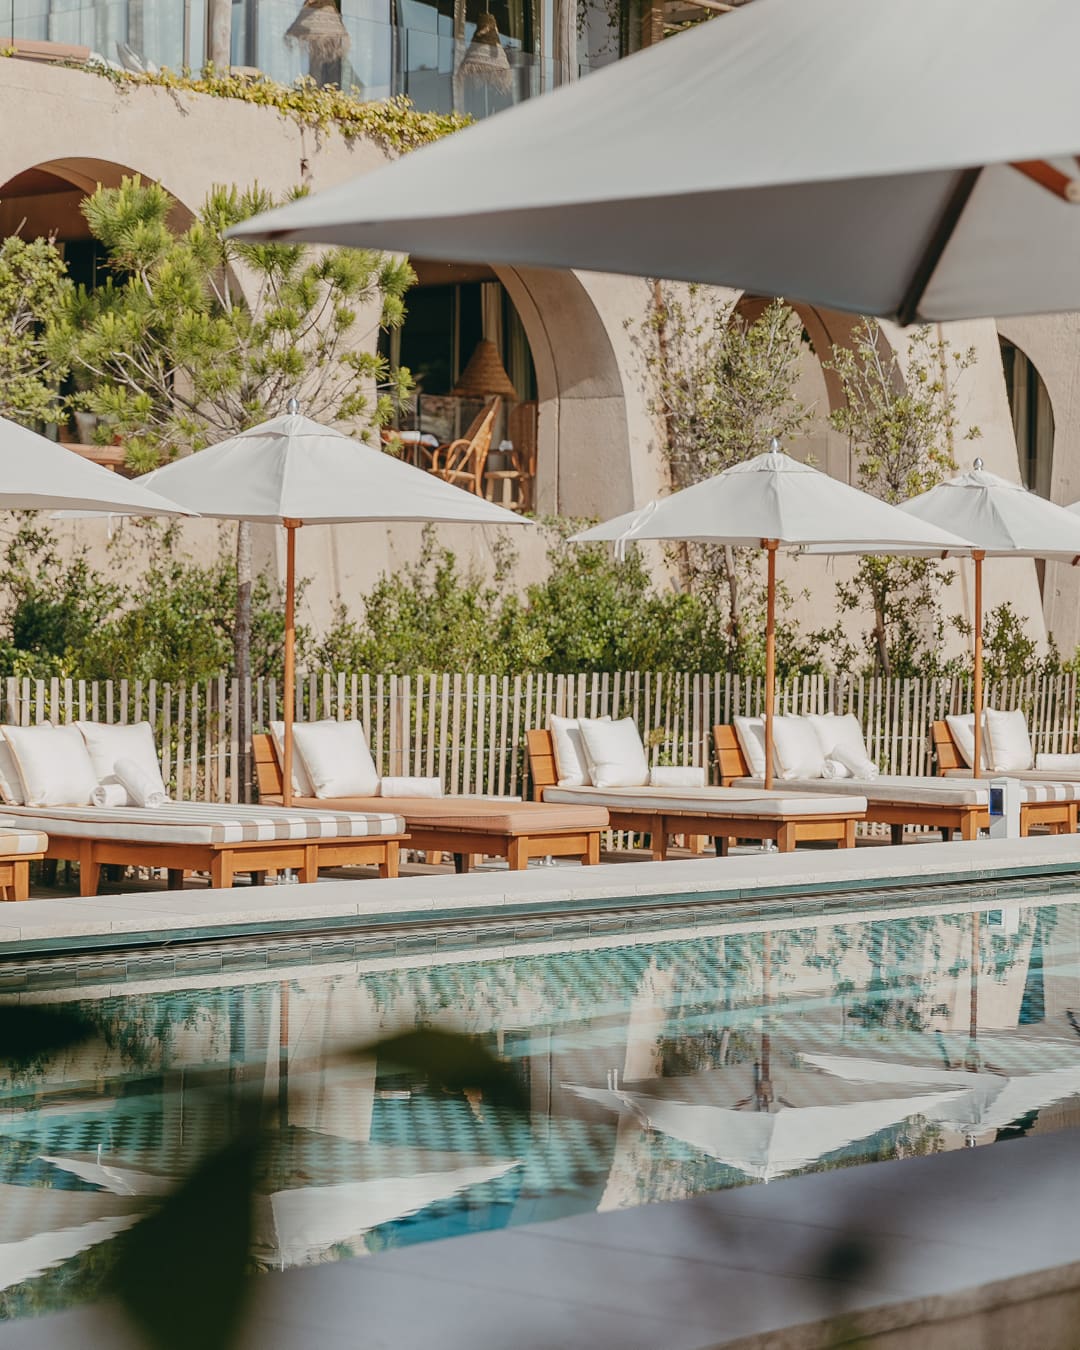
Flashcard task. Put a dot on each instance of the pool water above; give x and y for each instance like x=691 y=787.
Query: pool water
x=657 y=1065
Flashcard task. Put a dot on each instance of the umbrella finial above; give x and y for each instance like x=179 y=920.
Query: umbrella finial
x=292 y=407
x=774 y=446
x=977 y=466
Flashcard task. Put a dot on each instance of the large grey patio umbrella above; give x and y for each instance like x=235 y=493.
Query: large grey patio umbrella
x=1002 y=520
x=38 y=475
x=768 y=502
x=291 y=471
x=910 y=160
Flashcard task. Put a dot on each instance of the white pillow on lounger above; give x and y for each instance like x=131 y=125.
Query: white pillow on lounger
x=54 y=765
x=677 y=775
x=301 y=783
x=750 y=732
x=337 y=758
x=797 y=751
x=11 y=784
x=107 y=742
x=571 y=761
x=1008 y=744
x=616 y=755
x=962 y=726
x=1068 y=765
x=839 y=731
x=411 y=787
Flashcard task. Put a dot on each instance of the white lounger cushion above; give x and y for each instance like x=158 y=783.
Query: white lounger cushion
x=205 y=823
x=11 y=783
x=750 y=732
x=337 y=758
x=962 y=726
x=54 y=765
x=716 y=801
x=1008 y=744
x=107 y=742
x=616 y=755
x=797 y=750
x=959 y=790
x=15 y=840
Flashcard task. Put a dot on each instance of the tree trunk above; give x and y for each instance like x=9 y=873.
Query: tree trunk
x=242 y=650
x=881 y=638
x=734 y=608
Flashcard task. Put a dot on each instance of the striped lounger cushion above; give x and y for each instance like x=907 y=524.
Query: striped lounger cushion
x=916 y=791
x=205 y=823
x=14 y=841
x=727 y=802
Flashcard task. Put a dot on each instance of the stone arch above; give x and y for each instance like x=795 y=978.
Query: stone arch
x=581 y=392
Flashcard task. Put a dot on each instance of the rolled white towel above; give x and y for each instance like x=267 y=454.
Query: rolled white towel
x=1058 y=763
x=832 y=768
x=856 y=765
x=410 y=787
x=142 y=790
x=677 y=775
x=110 y=792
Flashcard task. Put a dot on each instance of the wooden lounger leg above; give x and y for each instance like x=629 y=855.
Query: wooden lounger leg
x=785 y=837
x=517 y=854
x=175 y=879
x=461 y=862
x=721 y=843
x=658 y=839
x=309 y=868
x=389 y=866
x=89 y=870
x=592 y=855
x=848 y=840
x=970 y=827
x=221 y=869
x=896 y=834
x=20 y=883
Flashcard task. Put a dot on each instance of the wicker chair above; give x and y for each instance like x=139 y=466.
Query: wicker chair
x=462 y=461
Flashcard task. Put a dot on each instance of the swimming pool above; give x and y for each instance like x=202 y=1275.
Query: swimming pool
x=657 y=1063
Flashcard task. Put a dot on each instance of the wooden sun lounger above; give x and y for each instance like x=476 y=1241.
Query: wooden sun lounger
x=18 y=849
x=738 y=821
x=220 y=839
x=965 y=819
x=467 y=827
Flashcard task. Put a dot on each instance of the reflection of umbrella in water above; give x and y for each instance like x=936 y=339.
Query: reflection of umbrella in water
x=766 y=1144
x=981 y=1099
x=294 y=1226
x=41 y=1228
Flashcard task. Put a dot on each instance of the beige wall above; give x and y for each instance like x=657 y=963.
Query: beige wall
x=599 y=446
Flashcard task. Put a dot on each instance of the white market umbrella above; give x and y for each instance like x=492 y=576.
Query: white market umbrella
x=291 y=471
x=36 y=474
x=1002 y=520
x=767 y=1144
x=980 y=1099
x=859 y=156
x=769 y=502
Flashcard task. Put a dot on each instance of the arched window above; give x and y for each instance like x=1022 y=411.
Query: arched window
x=1032 y=416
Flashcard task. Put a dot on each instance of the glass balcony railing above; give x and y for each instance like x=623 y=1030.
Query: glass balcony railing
x=387 y=46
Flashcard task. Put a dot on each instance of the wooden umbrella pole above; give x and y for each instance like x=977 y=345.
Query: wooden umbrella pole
x=977 y=693
x=289 y=695
x=770 y=546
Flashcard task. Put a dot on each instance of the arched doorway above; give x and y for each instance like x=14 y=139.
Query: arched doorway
x=1032 y=418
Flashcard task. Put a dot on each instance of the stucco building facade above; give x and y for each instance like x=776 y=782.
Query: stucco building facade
x=598 y=444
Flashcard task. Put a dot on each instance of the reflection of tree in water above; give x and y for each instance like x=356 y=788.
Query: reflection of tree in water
x=79 y=1279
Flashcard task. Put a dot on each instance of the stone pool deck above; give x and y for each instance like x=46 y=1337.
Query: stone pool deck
x=976 y=1248
x=756 y=883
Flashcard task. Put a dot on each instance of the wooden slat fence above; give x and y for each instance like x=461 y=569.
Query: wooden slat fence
x=469 y=729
